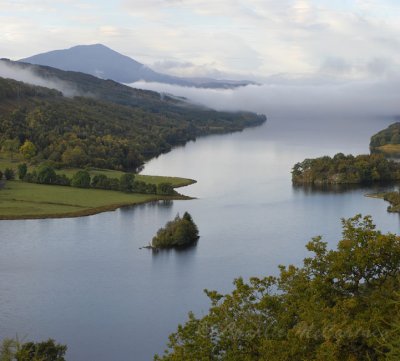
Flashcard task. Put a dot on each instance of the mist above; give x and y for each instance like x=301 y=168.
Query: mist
x=10 y=71
x=293 y=100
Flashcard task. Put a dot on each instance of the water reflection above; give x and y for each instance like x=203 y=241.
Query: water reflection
x=344 y=188
x=89 y=274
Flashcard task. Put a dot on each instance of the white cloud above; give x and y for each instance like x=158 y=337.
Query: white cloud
x=260 y=37
x=287 y=99
x=29 y=77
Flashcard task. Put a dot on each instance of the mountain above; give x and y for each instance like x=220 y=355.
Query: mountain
x=102 y=123
x=105 y=63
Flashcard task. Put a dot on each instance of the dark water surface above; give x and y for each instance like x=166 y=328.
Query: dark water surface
x=85 y=283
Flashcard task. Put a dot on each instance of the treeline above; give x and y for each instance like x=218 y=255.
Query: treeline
x=46 y=174
x=345 y=169
x=109 y=126
x=339 y=305
x=15 y=350
x=180 y=232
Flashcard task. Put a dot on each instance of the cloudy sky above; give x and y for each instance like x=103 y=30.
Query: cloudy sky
x=242 y=38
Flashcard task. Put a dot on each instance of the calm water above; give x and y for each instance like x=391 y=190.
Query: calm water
x=85 y=283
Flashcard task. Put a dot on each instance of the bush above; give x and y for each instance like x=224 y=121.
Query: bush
x=46 y=175
x=62 y=180
x=22 y=170
x=126 y=182
x=165 y=189
x=81 y=179
x=100 y=181
x=9 y=174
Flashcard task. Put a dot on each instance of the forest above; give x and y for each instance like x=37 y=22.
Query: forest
x=345 y=169
x=108 y=126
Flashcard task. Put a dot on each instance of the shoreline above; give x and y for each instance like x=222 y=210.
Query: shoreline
x=94 y=211
x=99 y=209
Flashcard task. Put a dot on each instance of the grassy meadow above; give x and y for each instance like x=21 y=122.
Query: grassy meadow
x=22 y=200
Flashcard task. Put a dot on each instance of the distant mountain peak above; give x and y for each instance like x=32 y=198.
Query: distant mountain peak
x=106 y=63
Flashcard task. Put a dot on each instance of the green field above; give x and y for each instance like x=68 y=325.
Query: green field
x=21 y=200
x=389 y=149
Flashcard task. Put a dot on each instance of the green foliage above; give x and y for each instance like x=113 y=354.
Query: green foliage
x=126 y=182
x=342 y=169
x=165 y=189
x=177 y=233
x=9 y=174
x=46 y=175
x=394 y=199
x=28 y=149
x=81 y=179
x=22 y=170
x=75 y=157
x=14 y=350
x=10 y=146
x=143 y=187
x=116 y=127
x=390 y=135
x=338 y=306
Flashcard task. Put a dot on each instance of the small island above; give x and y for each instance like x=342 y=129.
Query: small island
x=346 y=169
x=181 y=232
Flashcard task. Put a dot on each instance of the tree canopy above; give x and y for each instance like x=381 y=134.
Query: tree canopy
x=178 y=233
x=14 y=350
x=340 y=305
x=345 y=169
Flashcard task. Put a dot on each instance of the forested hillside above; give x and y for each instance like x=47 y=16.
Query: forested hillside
x=108 y=126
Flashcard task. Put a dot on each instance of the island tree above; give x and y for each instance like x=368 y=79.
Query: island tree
x=178 y=233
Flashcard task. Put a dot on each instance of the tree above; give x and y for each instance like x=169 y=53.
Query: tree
x=165 y=189
x=81 y=179
x=126 y=182
x=74 y=156
x=101 y=181
x=28 y=149
x=46 y=175
x=22 y=170
x=10 y=146
x=9 y=174
x=340 y=305
x=14 y=350
x=177 y=233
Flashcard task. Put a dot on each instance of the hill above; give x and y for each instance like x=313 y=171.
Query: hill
x=109 y=126
x=105 y=63
x=387 y=141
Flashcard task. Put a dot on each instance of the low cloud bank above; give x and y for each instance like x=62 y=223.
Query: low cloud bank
x=292 y=99
x=11 y=71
